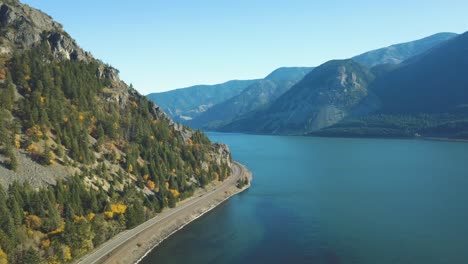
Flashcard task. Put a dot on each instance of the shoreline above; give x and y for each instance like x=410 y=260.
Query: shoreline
x=191 y=221
x=132 y=246
x=459 y=140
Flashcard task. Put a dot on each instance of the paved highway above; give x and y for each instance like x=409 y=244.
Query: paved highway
x=107 y=248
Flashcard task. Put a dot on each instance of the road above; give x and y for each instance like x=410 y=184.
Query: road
x=106 y=249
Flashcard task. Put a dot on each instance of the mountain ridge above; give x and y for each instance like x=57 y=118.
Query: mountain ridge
x=397 y=53
x=256 y=96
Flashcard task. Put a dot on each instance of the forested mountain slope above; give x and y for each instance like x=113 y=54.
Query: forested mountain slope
x=424 y=96
x=118 y=158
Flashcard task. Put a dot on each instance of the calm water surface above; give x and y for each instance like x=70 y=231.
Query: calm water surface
x=320 y=200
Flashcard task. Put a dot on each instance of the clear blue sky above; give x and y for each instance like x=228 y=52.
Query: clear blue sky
x=161 y=45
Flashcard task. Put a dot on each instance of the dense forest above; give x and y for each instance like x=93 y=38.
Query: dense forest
x=128 y=162
x=449 y=125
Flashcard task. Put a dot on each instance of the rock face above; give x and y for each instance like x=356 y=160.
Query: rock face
x=222 y=153
x=325 y=96
x=24 y=27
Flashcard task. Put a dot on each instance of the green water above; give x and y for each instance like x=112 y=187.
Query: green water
x=321 y=200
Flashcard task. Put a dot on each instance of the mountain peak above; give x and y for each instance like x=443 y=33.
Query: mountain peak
x=23 y=27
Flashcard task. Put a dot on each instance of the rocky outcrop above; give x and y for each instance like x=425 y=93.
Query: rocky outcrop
x=23 y=27
x=222 y=153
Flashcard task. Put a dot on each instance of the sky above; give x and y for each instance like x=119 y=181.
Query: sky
x=162 y=45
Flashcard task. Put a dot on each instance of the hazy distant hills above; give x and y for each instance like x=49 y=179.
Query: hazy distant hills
x=254 y=97
x=186 y=103
x=400 y=52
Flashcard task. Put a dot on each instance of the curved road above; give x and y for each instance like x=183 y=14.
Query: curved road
x=107 y=248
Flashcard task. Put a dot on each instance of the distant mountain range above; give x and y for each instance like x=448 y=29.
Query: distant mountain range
x=416 y=88
x=186 y=103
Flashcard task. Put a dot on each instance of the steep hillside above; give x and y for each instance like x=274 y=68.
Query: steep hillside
x=433 y=82
x=400 y=52
x=83 y=156
x=325 y=96
x=254 y=97
x=426 y=96
x=186 y=103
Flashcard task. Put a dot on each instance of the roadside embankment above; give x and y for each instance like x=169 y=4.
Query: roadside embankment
x=132 y=245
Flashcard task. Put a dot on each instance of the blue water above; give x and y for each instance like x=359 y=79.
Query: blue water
x=322 y=200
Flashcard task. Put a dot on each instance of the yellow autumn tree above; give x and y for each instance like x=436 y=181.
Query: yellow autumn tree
x=78 y=218
x=174 y=192
x=17 y=141
x=67 y=256
x=34 y=131
x=52 y=157
x=32 y=149
x=34 y=222
x=45 y=243
x=91 y=216
x=108 y=215
x=118 y=208
x=3 y=257
x=151 y=185
x=59 y=229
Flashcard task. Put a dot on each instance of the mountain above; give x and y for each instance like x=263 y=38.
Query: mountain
x=400 y=52
x=209 y=107
x=323 y=97
x=187 y=103
x=288 y=73
x=83 y=156
x=437 y=76
x=425 y=96
x=256 y=96
x=323 y=100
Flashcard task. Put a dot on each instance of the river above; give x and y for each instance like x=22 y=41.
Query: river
x=332 y=201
